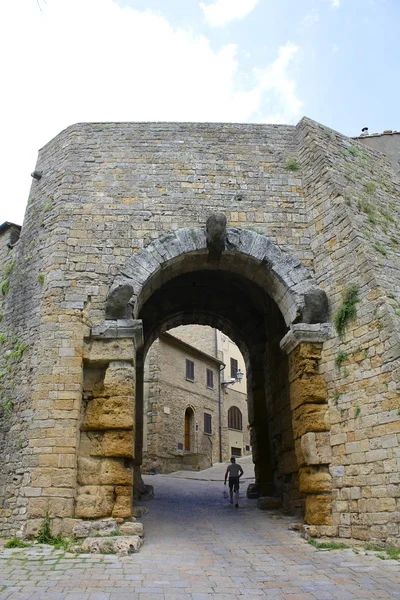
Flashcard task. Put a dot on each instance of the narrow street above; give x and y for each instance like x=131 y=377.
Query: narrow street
x=199 y=547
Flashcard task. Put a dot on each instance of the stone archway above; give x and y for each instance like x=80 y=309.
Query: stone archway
x=281 y=332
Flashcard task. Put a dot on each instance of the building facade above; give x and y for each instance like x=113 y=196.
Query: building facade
x=192 y=418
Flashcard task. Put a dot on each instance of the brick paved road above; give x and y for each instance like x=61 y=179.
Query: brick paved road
x=199 y=547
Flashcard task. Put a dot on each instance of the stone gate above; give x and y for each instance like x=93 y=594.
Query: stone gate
x=285 y=238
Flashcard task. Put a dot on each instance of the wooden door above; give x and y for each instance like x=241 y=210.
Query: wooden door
x=187 y=430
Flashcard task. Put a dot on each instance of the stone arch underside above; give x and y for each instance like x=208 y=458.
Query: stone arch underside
x=268 y=303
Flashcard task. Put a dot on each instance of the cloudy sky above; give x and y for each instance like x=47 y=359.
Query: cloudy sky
x=257 y=61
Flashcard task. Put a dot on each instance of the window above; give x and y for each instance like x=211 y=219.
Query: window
x=189 y=369
x=236 y=451
x=235 y=418
x=207 y=423
x=234 y=367
x=210 y=378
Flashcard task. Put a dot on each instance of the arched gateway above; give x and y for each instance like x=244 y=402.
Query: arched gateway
x=264 y=232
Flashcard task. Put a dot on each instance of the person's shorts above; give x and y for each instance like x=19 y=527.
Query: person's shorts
x=234 y=483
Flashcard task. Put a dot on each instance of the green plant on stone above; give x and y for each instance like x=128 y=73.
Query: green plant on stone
x=9 y=268
x=353 y=150
x=292 y=164
x=44 y=534
x=7 y=406
x=370 y=187
x=381 y=248
x=345 y=373
x=327 y=545
x=358 y=411
x=336 y=398
x=40 y=279
x=19 y=349
x=340 y=358
x=16 y=543
x=58 y=541
x=20 y=443
x=3 y=338
x=5 y=286
x=347 y=312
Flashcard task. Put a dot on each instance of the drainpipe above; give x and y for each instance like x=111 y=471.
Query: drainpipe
x=219 y=399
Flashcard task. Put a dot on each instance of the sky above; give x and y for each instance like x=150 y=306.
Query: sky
x=248 y=61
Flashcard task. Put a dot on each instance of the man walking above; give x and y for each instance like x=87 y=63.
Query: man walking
x=235 y=472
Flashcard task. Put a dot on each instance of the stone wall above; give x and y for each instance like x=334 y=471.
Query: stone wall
x=353 y=206
x=106 y=191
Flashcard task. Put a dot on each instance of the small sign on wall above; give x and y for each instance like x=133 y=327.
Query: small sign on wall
x=167 y=410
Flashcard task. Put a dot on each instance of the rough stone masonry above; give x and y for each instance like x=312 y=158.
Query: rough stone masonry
x=113 y=252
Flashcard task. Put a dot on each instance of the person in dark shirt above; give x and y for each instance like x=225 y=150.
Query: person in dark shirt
x=235 y=472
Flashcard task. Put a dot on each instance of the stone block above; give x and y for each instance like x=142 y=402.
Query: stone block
x=94 y=501
x=97 y=471
x=318 y=510
x=111 y=443
x=314 y=480
x=316 y=448
x=303 y=360
x=132 y=529
x=139 y=511
x=119 y=379
x=309 y=417
x=97 y=528
x=123 y=503
x=307 y=390
x=121 y=545
x=109 y=413
x=104 y=351
x=269 y=503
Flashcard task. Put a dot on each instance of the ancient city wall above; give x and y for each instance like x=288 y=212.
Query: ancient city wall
x=353 y=206
x=106 y=191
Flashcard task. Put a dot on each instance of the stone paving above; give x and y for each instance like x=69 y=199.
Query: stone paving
x=199 y=547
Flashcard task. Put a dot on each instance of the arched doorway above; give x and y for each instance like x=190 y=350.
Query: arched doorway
x=189 y=418
x=269 y=305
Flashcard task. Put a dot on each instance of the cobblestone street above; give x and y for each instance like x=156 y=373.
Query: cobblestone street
x=199 y=547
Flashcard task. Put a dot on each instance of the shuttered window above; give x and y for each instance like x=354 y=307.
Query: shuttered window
x=235 y=418
x=207 y=423
x=210 y=378
x=234 y=367
x=189 y=369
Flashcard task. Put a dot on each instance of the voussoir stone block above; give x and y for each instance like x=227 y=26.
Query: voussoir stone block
x=107 y=471
x=109 y=413
x=318 y=510
x=95 y=501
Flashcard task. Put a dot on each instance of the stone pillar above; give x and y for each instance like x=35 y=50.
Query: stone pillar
x=308 y=402
x=106 y=451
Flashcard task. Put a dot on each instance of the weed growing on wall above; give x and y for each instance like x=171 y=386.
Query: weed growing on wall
x=347 y=312
x=340 y=358
x=292 y=164
x=5 y=286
